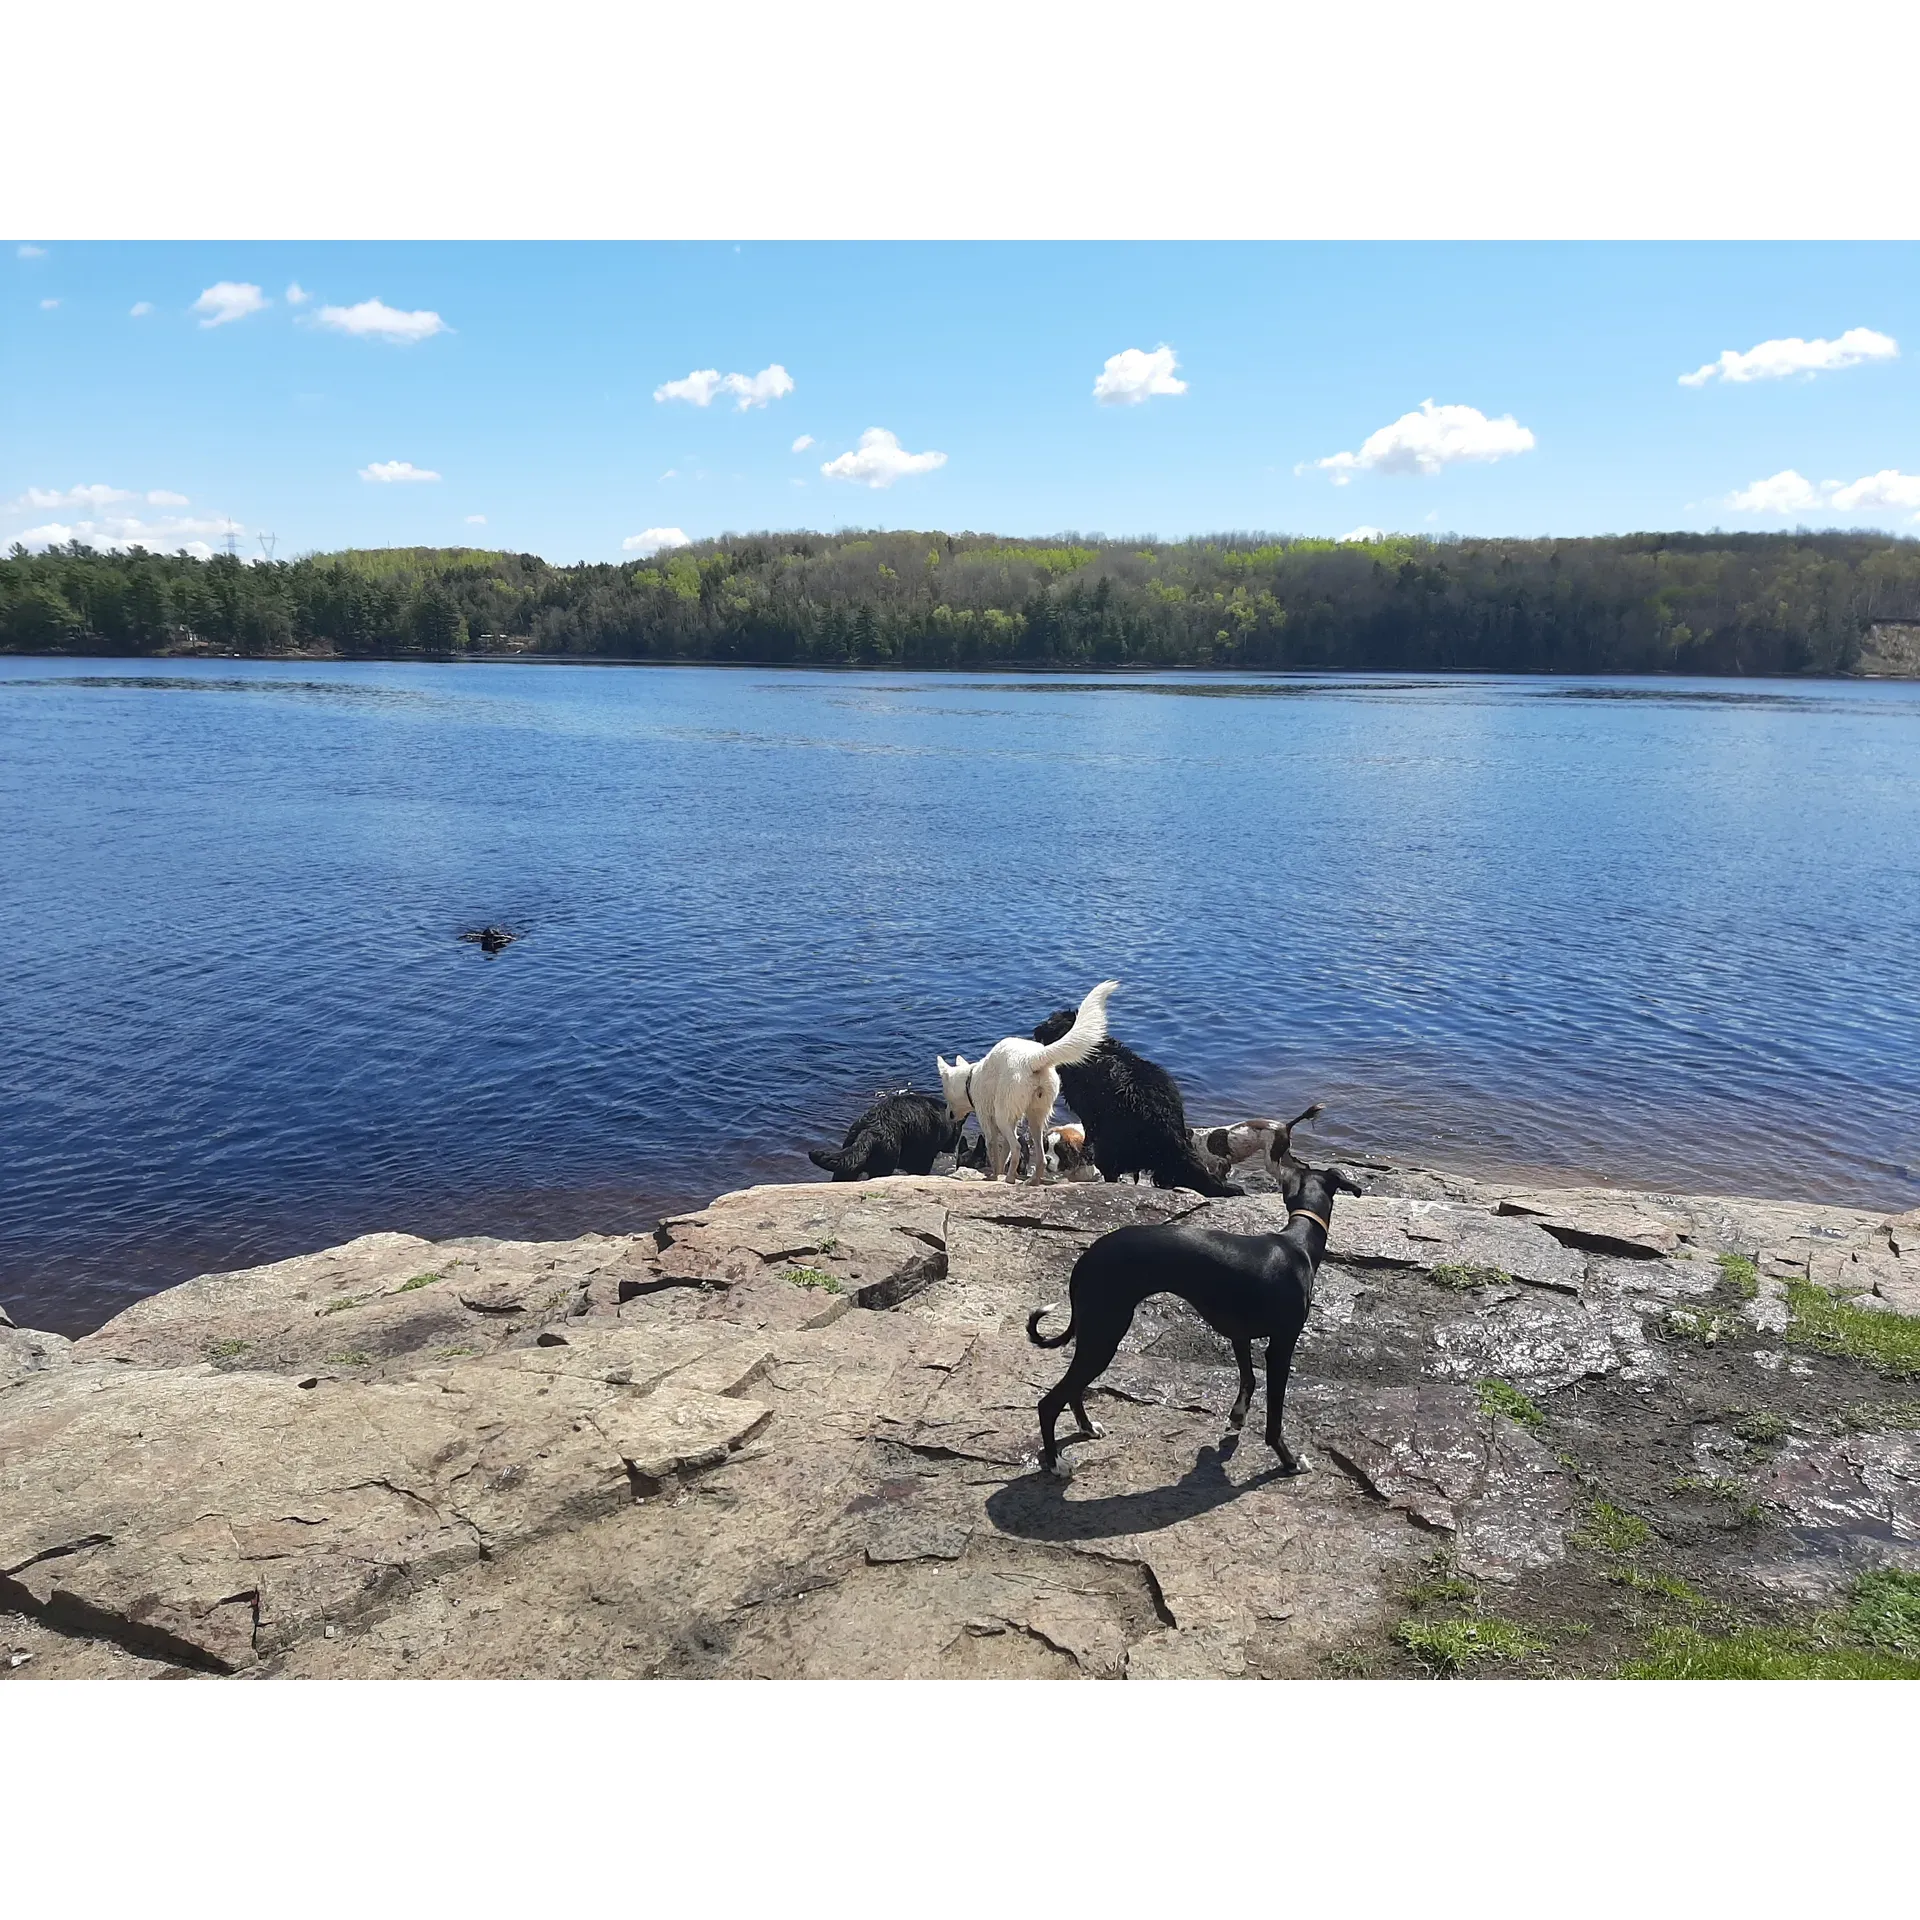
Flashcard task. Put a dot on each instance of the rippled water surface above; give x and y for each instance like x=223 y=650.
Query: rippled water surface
x=1659 y=932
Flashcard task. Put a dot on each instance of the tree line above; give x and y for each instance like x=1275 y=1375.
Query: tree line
x=1647 y=603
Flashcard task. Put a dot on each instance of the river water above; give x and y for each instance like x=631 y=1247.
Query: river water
x=1658 y=932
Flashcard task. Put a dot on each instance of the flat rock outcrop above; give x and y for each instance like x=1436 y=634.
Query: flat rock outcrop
x=791 y=1434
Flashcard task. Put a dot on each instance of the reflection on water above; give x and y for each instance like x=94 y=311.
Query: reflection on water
x=1658 y=933
x=329 y=690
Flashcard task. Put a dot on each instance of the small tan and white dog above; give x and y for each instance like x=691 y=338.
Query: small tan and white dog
x=1020 y=1080
x=1066 y=1148
x=1267 y=1140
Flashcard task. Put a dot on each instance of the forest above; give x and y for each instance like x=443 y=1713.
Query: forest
x=1780 y=603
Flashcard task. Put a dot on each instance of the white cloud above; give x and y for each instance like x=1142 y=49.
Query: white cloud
x=140 y=309
x=803 y=443
x=28 y=251
x=654 y=540
x=476 y=519
x=1784 y=492
x=1428 y=441
x=1888 y=491
x=230 y=300
x=1135 y=376
x=389 y=471
x=700 y=387
x=47 y=306
x=1360 y=535
x=672 y=473
x=697 y=389
x=375 y=320
x=118 y=532
x=1777 y=359
x=39 y=499
x=880 y=460
x=297 y=295
x=758 y=389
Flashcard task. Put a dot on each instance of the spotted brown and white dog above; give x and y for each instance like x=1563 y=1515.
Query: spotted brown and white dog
x=1267 y=1143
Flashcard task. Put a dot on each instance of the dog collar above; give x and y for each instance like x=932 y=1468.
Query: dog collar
x=966 y=1092
x=1301 y=1213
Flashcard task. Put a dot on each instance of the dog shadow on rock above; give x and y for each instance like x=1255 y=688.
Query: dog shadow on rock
x=1037 y=1507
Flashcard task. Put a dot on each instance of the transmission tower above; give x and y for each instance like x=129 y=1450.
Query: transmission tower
x=231 y=539
x=267 y=541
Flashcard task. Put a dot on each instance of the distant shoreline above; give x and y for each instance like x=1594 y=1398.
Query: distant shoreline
x=1050 y=670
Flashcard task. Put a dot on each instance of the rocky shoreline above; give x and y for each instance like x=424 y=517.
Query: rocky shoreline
x=790 y=1435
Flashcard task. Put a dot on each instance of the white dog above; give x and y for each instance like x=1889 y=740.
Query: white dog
x=1020 y=1080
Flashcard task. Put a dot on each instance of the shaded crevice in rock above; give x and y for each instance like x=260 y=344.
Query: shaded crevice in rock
x=60 y=1552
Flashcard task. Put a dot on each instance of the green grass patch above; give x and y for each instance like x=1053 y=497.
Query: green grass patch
x=1876 y=1638
x=1449 y=1647
x=1887 y=1342
x=1878 y=1416
x=227 y=1349
x=1657 y=1585
x=1740 y=1276
x=458 y=1353
x=1760 y=1429
x=1611 y=1529
x=1442 y=1590
x=1886 y=1612
x=1356 y=1663
x=345 y=1301
x=811 y=1277
x=1498 y=1396
x=1466 y=1279
x=418 y=1281
x=1700 y=1324
x=350 y=1359
x=1714 y=1486
x=1681 y=1653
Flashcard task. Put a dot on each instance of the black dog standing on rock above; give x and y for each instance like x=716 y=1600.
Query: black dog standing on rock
x=900 y=1133
x=1136 y=1121
x=1245 y=1286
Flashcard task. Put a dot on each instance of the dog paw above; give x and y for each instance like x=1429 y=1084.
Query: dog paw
x=1062 y=1469
x=1095 y=1431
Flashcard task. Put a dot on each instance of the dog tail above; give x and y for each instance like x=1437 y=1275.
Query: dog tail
x=844 y=1163
x=1088 y=1030
x=1039 y=1340
x=1312 y=1113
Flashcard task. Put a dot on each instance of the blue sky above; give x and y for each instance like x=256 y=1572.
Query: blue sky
x=525 y=377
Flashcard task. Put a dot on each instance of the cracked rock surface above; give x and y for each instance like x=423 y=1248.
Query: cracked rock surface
x=791 y=1435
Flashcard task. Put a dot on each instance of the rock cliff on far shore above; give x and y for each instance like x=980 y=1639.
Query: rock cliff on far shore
x=791 y=1435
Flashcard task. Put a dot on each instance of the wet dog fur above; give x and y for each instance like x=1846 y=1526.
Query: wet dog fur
x=1134 y=1117
x=1019 y=1080
x=900 y=1133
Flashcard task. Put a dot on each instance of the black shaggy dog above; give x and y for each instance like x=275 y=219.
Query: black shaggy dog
x=899 y=1133
x=1136 y=1121
x=1245 y=1286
